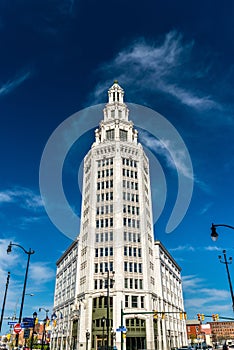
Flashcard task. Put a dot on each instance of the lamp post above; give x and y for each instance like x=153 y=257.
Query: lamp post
x=87 y=338
x=44 y=325
x=34 y=322
x=29 y=253
x=103 y=324
x=229 y=278
x=4 y=300
x=107 y=284
x=214 y=235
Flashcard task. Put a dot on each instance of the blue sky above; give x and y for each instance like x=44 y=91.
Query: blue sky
x=60 y=56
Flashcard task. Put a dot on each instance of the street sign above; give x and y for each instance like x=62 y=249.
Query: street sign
x=121 y=329
x=28 y=322
x=26 y=325
x=26 y=333
x=17 y=328
x=12 y=323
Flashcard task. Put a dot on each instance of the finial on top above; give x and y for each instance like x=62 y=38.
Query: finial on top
x=116 y=81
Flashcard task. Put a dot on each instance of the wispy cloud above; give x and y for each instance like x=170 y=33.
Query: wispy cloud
x=41 y=270
x=183 y=248
x=11 y=85
x=160 y=66
x=174 y=156
x=24 y=197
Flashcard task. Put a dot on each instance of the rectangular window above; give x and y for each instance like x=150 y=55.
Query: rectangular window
x=123 y=135
x=101 y=251
x=96 y=252
x=101 y=268
x=140 y=268
x=135 y=267
x=111 y=267
x=125 y=266
x=130 y=267
x=110 y=134
x=125 y=283
x=96 y=268
x=134 y=301
x=136 y=284
x=142 y=302
x=125 y=251
x=131 y=283
x=95 y=284
x=97 y=237
x=111 y=236
x=126 y=301
x=106 y=251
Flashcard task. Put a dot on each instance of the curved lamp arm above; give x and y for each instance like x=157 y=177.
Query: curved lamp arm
x=214 y=235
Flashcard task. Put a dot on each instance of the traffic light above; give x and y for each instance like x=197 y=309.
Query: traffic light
x=185 y=315
x=215 y=317
x=155 y=315
x=202 y=317
x=181 y=315
x=199 y=317
x=36 y=320
x=163 y=315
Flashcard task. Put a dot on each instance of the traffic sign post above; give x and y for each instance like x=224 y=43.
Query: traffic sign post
x=17 y=328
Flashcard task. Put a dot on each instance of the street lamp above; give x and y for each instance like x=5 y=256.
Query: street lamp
x=214 y=235
x=34 y=322
x=87 y=338
x=108 y=307
x=103 y=324
x=4 y=300
x=29 y=253
x=229 y=278
x=44 y=326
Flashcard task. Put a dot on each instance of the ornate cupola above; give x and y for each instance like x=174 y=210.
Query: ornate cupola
x=115 y=126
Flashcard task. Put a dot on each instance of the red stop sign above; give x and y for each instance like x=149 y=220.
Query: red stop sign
x=17 y=328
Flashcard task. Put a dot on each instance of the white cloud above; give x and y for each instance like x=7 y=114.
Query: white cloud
x=41 y=273
x=160 y=66
x=183 y=248
x=11 y=85
x=24 y=197
x=175 y=157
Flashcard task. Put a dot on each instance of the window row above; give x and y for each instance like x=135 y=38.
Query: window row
x=130 y=197
x=104 y=209
x=108 y=196
x=129 y=173
x=131 y=209
x=132 y=237
x=104 y=237
x=105 y=173
x=102 y=284
x=129 y=162
x=104 y=223
x=132 y=267
x=103 y=267
x=104 y=162
x=133 y=283
x=132 y=251
x=107 y=251
x=134 y=301
x=130 y=184
x=104 y=184
x=101 y=302
x=101 y=322
x=135 y=322
x=131 y=222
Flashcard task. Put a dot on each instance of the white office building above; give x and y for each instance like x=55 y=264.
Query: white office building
x=128 y=291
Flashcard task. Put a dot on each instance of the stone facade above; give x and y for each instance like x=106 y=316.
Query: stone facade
x=123 y=278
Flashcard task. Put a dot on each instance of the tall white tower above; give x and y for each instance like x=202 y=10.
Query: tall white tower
x=122 y=276
x=116 y=259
